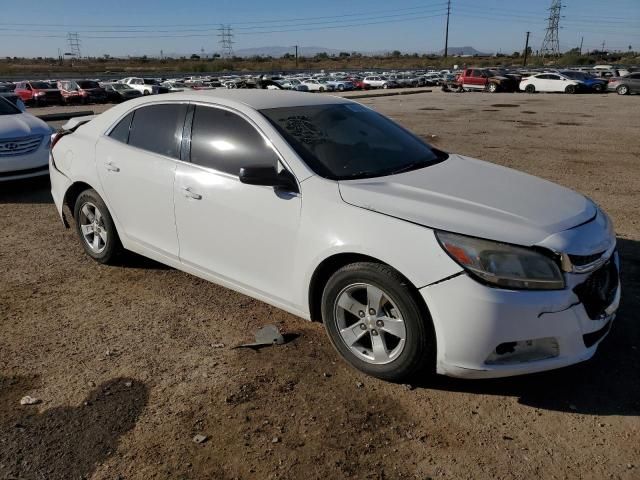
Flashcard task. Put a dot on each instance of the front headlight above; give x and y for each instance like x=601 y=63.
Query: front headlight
x=501 y=264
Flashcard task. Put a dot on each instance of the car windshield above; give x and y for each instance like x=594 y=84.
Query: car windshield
x=40 y=85
x=149 y=81
x=7 y=108
x=349 y=141
x=119 y=86
x=88 y=84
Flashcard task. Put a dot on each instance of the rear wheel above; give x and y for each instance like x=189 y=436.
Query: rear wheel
x=493 y=87
x=95 y=228
x=321 y=89
x=570 y=89
x=385 y=85
x=375 y=322
x=622 y=90
x=530 y=89
x=598 y=88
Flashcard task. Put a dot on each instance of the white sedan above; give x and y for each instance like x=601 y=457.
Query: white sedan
x=315 y=85
x=24 y=143
x=550 y=82
x=414 y=259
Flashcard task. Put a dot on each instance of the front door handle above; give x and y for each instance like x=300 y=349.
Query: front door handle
x=191 y=194
x=111 y=167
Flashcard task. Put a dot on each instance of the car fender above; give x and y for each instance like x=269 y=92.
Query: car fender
x=329 y=226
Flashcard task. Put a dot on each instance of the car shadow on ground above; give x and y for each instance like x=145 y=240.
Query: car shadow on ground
x=64 y=442
x=605 y=385
x=28 y=190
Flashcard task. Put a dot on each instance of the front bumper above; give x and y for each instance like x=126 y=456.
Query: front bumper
x=25 y=166
x=472 y=320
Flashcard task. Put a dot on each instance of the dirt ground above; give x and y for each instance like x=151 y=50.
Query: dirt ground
x=129 y=365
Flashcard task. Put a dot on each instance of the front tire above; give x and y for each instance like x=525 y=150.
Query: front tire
x=95 y=228
x=493 y=87
x=376 y=323
x=571 y=89
x=530 y=89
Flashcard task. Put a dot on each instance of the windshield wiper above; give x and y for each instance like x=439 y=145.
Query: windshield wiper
x=410 y=166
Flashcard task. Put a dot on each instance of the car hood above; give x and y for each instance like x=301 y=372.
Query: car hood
x=475 y=198
x=21 y=125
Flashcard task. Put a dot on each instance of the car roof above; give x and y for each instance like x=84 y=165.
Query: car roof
x=257 y=99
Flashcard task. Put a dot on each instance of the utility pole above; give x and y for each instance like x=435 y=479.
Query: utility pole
x=602 y=46
x=226 y=41
x=526 y=50
x=446 y=35
x=581 y=42
x=296 y=57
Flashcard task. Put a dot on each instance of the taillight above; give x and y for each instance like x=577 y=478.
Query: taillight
x=55 y=137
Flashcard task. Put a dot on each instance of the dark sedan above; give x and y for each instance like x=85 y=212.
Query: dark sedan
x=120 y=92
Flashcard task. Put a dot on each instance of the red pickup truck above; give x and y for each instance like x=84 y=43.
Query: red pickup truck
x=487 y=80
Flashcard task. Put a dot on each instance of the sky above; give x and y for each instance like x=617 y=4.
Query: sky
x=147 y=27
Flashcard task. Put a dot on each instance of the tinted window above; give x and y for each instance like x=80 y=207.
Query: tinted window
x=7 y=108
x=158 y=128
x=226 y=142
x=344 y=141
x=88 y=84
x=121 y=132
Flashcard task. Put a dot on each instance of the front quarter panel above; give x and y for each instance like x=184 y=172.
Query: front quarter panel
x=329 y=226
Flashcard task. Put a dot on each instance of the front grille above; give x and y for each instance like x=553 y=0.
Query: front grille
x=590 y=339
x=599 y=290
x=27 y=171
x=53 y=96
x=20 y=146
x=582 y=260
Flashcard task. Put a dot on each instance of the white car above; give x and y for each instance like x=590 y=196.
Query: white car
x=314 y=85
x=377 y=81
x=145 y=87
x=413 y=258
x=24 y=143
x=550 y=82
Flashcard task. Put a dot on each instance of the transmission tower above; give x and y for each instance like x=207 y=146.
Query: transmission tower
x=226 y=41
x=551 y=42
x=73 y=39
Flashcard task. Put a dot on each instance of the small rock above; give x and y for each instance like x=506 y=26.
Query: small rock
x=217 y=345
x=128 y=384
x=507 y=437
x=359 y=384
x=601 y=425
x=27 y=400
x=629 y=466
x=326 y=375
x=91 y=383
x=409 y=386
x=200 y=438
x=275 y=440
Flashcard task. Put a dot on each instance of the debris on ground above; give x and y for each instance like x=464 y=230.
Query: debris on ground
x=265 y=336
x=217 y=345
x=200 y=438
x=27 y=400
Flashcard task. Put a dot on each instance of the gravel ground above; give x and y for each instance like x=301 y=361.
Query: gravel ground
x=131 y=362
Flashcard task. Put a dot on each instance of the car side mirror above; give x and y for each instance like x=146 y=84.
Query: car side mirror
x=268 y=176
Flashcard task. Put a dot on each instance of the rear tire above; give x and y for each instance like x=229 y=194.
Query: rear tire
x=493 y=87
x=376 y=323
x=571 y=89
x=95 y=228
x=622 y=90
x=530 y=89
x=598 y=88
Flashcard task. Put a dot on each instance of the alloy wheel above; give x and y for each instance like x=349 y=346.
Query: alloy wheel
x=92 y=227
x=370 y=324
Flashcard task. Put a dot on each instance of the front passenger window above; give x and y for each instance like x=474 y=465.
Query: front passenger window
x=224 y=141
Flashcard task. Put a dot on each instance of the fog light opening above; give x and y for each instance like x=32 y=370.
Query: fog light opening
x=524 y=351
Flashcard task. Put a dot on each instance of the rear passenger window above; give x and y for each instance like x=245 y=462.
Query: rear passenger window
x=158 y=129
x=121 y=131
x=226 y=142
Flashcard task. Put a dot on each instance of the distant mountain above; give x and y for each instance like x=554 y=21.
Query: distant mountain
x=464 y=51
x=280 y=51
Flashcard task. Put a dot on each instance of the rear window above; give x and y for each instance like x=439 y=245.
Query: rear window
x=7 y=108
x=40 y=85
x=158 y=128
x=121 y=131
x=88 y=84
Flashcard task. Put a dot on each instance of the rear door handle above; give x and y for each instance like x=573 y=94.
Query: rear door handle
x=191 y=194
x=111 y=167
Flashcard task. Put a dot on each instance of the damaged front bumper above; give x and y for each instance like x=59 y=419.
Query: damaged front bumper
x=485 y=332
